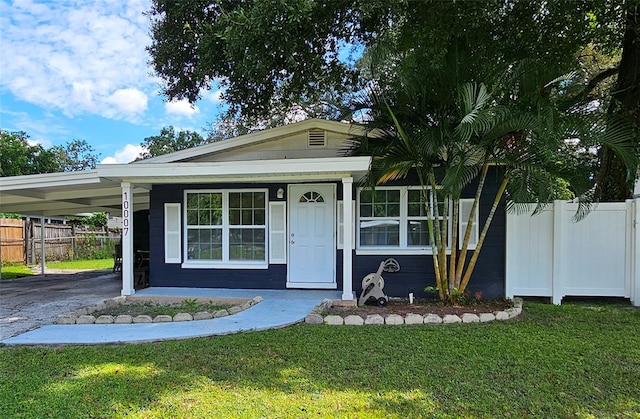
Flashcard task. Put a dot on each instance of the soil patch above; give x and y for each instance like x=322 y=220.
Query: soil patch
x=422 y=307
x=168 y=306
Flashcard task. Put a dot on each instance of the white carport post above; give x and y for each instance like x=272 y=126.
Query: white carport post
x=42 y=249
x=347 y=228
x=127 y=240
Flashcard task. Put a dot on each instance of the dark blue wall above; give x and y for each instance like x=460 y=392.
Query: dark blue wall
x=172 y=275
x=415 y=274
x=416 y=271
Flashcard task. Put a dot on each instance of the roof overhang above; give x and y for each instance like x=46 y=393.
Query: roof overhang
x=331 y=168
x=97 y=190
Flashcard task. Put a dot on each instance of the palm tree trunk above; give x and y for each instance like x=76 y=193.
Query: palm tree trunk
x=485 y=228
x=454 y=239
x=467 y=233
x=436 y=267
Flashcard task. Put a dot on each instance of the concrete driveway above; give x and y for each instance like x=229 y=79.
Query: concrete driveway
x=30 y=302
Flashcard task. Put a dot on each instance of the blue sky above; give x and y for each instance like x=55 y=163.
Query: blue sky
x=78 y=70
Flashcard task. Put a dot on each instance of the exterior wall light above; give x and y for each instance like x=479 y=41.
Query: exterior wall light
x=280 y=193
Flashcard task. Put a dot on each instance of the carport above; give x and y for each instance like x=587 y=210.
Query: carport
x=70 y=193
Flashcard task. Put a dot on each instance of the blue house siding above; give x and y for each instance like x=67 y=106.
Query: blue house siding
x=416 y=270
x=172 y=275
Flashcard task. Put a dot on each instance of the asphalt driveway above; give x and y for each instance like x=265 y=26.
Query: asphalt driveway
x=30 y=302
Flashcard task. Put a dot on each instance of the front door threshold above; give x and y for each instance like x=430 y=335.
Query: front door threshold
x=313 y=285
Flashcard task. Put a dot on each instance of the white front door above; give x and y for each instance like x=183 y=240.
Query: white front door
x=312 y=255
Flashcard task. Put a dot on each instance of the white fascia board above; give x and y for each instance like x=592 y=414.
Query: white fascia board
x=257 y=137
x=49 y=180
x=173 y=172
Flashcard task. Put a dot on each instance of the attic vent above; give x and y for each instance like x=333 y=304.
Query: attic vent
x=317 y=138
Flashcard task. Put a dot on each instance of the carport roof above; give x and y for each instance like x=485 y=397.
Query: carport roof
x=65 y=194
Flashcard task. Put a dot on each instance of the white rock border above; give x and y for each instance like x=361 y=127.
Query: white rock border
x=315 y=317
x=85 y=315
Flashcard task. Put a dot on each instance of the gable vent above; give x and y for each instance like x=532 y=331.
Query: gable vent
x=317 y=138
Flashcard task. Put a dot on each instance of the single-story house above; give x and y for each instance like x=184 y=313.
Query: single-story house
x=279 y=208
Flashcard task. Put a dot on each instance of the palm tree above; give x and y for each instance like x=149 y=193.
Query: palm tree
x=449 y=133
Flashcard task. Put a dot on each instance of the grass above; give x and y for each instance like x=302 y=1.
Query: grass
x=82 y=264
x=15 y=271
x=577 y=360
x=12 y=271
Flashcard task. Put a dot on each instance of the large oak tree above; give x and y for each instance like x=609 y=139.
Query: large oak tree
x=271 y=55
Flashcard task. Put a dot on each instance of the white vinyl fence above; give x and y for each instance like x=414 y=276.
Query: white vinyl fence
x=550 y=255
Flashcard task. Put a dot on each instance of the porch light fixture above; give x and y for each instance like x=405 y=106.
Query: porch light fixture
x=280 y=193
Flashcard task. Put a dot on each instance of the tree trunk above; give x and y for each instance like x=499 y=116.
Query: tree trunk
x=614 y=179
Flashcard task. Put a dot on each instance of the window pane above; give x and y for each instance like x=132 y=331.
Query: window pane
x=258 y=200
x=393 y=210
x=192 y=201
x=416 y=204
x=417 y=233
x=246 y=244
x=379 y=210
x=380 y=233
x=204 y=217
x=366 y=210
x=192 y=217
x=259 y=217
x=365 y=196
x=204 y=244
x=234 y=217
x=247 y=217
x=204 y=201
x=234 y=200
x=216 y=217
x=247 y=199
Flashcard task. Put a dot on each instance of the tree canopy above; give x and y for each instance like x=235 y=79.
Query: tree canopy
x=271 y=56
x=169 y=141
x=19 y=157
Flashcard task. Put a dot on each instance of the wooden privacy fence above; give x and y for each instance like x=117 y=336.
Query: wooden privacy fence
x=11 y=240
x=550 y=255
x=20 y=241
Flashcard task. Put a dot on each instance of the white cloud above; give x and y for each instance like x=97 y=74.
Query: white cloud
x=126 y=155
x=181 y=108
x=128 y=101
x=78 y=57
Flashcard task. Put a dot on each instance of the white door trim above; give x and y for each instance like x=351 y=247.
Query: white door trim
x=331 y=283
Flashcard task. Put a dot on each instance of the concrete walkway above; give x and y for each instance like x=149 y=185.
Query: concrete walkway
x=279 y=308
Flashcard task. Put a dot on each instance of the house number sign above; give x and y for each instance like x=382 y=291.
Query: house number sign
x=125 y=213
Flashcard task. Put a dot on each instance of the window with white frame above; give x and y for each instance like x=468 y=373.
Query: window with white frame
x=226 y=226
x=395 y=217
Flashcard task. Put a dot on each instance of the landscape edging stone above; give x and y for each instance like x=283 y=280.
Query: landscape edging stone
x=316 y=317
x=82 y=315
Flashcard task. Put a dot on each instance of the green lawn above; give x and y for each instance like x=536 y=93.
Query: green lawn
x=569 y=361
x=15 y=271
x=82 y=264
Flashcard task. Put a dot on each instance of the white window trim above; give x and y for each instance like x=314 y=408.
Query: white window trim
x=225 y=263
x=397 y=250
